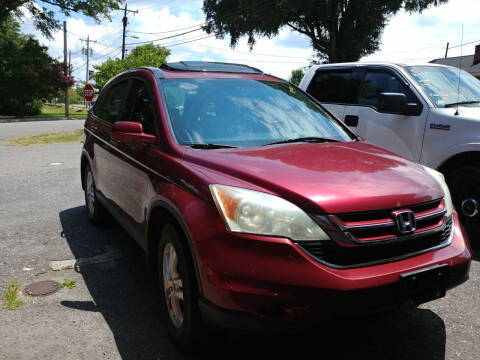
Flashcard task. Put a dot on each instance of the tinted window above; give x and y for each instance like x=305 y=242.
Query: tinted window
x=244 y=112
x=138 y=106
x=109 y=107
x=334 y=86
x=377 y=82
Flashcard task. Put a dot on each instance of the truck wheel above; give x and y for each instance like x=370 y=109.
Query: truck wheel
x=95 y=211
x=464 y=184
x=179 y=295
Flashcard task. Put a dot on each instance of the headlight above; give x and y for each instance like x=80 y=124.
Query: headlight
x=441 y=181
x=255 y=212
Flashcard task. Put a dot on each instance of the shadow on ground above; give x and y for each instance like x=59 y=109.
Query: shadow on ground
x=476 y=256
x=127 y=297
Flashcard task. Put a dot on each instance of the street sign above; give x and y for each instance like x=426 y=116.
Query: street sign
x=88 y=92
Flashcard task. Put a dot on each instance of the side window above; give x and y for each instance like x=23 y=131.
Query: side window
x=111 y=102
x=139 y=107
x=377 y=82
x=334 y=86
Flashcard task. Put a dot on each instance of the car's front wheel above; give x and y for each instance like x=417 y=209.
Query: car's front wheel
x=178 y=290
x=464 y=184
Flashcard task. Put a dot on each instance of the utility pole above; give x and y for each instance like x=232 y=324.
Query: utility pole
x=65 y=66
x=446 y=50
x=87 y=51
x=69 y=69
x=125 y=23
x=88 y=58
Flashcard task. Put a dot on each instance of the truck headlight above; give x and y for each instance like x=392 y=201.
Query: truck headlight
x=254 y=212
x=441 y=181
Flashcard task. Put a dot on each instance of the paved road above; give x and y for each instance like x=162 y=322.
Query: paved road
x=112 y=313
x=19 y=129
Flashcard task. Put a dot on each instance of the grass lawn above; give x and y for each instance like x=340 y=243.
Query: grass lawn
x=49 y=138
x=54 y=111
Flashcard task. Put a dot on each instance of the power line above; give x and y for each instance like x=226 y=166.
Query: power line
x=250 y=53
x=164 y=38
x=244 y=60
x=108 y=35
x=165 y=32
x=183 y=42
x=95 y=59
x=467 y=43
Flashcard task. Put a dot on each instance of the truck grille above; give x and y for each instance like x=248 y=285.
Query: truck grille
x=367 y=238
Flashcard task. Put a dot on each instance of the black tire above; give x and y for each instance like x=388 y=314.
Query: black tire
x=190 y=334
x=95 y=211
x=464 y=183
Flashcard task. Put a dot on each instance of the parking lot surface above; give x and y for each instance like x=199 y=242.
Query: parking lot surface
x=112 y=312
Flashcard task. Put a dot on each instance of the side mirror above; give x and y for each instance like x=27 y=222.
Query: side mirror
x=397 y=103
x=130 y=132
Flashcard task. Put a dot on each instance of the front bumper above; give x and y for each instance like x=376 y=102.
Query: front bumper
x=350 y=303
x=249 y=279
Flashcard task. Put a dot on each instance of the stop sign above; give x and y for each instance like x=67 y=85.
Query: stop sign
x=88 y=92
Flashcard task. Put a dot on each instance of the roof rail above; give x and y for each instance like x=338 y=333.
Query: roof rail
x=206 y=66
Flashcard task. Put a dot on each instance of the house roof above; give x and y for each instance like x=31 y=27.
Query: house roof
x=467 y=62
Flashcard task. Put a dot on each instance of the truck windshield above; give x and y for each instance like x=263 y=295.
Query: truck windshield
x=225 y=112
x=441 y=85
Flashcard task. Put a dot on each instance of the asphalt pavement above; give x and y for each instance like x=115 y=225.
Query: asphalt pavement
x=10 y=130
x=112 y=312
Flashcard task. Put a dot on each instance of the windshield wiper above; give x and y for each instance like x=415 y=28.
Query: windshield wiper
x=209 y=146
x=462 y=103
x=309 y=139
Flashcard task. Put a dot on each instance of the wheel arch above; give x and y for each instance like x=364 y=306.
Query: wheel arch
x=466 y=158
x=162 y=213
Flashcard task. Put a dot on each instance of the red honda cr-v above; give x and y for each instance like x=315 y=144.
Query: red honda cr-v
x=257 y=207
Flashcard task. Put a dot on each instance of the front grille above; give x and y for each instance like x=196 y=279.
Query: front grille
x=379 y=225
x=332 y=253
x=386 y=213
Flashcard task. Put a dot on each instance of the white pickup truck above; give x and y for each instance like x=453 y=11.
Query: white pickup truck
x=417 y=111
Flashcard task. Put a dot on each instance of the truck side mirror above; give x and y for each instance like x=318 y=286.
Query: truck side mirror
x=397 y=103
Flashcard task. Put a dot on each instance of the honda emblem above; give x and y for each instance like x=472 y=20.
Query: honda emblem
x=405 y=220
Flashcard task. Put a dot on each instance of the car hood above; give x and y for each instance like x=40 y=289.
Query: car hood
x=325 y=177
x=464 y=113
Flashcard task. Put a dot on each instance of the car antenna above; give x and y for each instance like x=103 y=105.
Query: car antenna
x=459 y=73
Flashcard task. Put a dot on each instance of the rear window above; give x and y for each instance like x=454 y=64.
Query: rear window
x=334 y=86
x=244 y=112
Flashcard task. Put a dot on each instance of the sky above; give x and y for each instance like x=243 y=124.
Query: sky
x=407 y=37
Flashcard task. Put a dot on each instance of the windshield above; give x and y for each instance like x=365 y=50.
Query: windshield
x=441 y=85
x=244 y=112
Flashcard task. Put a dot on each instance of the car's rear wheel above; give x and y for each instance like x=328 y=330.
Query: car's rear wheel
x=95 y=211
x=179 y=292
x=464 y=184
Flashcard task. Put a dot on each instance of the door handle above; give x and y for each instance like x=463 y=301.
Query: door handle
x=351 y=120
x=94 y=127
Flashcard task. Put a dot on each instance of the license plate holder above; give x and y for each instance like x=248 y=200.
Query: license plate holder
x=423 y=285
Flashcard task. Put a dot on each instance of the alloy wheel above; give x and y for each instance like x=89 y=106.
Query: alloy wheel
x=173 y=285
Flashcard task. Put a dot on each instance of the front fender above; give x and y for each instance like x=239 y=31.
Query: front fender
x=441 y=157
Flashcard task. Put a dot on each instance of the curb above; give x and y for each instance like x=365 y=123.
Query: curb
x=77 y=263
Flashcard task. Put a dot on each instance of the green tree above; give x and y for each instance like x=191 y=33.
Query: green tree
x=339 y=30
x=28 y=75
x=45 y=19
x=296 y=76
x=145 y=55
